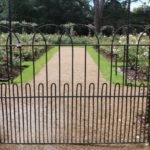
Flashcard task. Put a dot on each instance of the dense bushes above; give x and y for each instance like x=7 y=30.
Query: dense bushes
x=107 y=30
x=19 y=27
x=27 y=54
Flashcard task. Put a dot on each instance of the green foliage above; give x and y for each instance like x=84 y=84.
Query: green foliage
x=19 y=27
x=3 y=9
x=51 y=11
x=115 y=13
x=75 y=11
x=27 y=74
x=140 y=16
x=107 y=30
x=27 y=55
x=2 y=56
x=105 y=66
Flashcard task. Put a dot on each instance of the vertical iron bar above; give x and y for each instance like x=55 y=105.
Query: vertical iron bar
x=88 y=114
x=51 y=114
x=72 y=92
x=64 y=119
x=39 y=113
x=46 y=57
x=138 y=103
x=43 y=112
x=142 y=107
x=55 y=116
x=114 y=101
x=118 y=108
x=27 y=90
x=31 y=132
x=98 y=87
x=10 y=34
x=14 y=99
x=131 y=106
x=85 y=72
x=101 y=118
x=59 y=89
x=3 y=104
x=149 y=97
x=93 y=112
x=149 y=113
x=80 y=110
x=21 y=81
x=128 y=39
x=126 y=114
x=147 y=119
x=6 y=109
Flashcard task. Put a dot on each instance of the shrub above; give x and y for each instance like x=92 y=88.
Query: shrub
x=19 y=27
x=107 y=30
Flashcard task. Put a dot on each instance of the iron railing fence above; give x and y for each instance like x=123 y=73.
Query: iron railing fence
x=87 y=93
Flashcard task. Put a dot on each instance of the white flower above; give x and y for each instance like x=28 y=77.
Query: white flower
x=137 y=136
x=115 y=50
x=141 y=33
x=146 y=144
x=145 y=53
x=3 y=35
x=120 y=41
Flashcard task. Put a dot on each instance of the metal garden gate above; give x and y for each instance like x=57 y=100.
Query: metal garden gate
x=82 y=104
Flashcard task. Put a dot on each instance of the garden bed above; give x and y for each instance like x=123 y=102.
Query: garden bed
x=4 y=76
x=132 y=74
x=16 y=68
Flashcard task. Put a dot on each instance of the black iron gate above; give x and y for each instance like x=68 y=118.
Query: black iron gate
x=72 y=100
x=82 y=95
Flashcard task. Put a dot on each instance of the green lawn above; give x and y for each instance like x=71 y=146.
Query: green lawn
x=105 y=70
x=27 y=74
x=105 y=67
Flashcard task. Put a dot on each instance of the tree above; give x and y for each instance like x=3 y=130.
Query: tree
x=100 y=5
x=98 y=11
x=3 y=9
x=52 y=11
x=23 y=10
x=115 y=13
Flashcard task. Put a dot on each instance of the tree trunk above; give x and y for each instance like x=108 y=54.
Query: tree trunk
x=98 y=7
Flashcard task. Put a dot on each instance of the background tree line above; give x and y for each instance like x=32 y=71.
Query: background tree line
x=100 y=13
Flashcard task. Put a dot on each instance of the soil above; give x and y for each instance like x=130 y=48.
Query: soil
x=4 y=73
x=140 y=77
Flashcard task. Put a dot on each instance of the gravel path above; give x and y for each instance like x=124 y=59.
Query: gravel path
x=74 y=147
x=66 y=68
x=75 y=118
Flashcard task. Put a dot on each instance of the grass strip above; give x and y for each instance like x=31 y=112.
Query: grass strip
x=27 y=73
x=105 y=67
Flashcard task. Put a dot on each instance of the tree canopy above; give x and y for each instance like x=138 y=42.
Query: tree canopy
x=114 y=12
x=51 y=11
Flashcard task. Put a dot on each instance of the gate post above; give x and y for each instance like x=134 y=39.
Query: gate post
x=149 y=113
x=149 y=98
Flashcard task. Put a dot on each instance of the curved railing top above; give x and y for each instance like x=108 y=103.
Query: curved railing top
x=65 y=29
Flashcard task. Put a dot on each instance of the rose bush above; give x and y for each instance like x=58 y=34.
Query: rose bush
x=137 y=55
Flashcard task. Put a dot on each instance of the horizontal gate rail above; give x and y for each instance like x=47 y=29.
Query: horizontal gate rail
x=87 y=119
